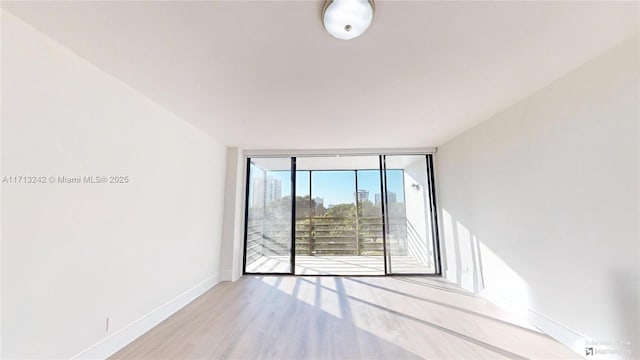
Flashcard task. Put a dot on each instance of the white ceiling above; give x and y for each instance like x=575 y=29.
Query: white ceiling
x=266 y=75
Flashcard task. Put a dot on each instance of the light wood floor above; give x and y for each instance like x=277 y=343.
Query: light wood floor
x=288 y=317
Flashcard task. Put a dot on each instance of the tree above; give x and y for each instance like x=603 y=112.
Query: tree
x=368 y=209
x=341 y=211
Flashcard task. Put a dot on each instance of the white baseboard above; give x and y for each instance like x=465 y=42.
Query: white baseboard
x=559 y=332
x=116 y=341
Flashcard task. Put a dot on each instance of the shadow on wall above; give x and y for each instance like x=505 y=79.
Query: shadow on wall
x=418 y=213
x=416 y=248
x=472 y=265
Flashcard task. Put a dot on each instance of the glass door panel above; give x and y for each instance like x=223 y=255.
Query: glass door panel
x=269 y=213
x=410 y=245
x=338 y=225
x=369 y=219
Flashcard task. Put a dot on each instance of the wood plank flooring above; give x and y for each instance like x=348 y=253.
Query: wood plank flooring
x=269 y=317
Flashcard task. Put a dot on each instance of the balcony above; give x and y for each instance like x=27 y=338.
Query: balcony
x=331 y=245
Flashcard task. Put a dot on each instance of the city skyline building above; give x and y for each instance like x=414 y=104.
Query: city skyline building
x=362 y=195
x=392 y=198
x=266 y=190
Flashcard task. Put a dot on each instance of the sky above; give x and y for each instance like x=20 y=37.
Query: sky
x=338 y=187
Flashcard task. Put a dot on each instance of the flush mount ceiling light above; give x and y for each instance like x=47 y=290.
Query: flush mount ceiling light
x=347 y=19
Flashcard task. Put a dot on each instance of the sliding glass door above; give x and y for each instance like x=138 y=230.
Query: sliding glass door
x=411 y=231
x=341 y=215
x=269 y=209
x=338 y=226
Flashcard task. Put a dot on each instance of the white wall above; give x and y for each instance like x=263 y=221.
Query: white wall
x=547 y=191
x=418 y=213
x=231 y=253
x=75 y=254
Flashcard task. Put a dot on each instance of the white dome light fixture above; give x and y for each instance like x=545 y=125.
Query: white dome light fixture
x=347 y=19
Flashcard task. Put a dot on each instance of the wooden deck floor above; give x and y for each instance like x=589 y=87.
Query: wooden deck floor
x=271 y=317
x=338 y=265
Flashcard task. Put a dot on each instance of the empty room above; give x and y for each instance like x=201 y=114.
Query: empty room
x=339 y=179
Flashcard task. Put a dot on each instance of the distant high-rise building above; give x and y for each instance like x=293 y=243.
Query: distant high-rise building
x=362 y=196
x=391 y=197
x=266 y=191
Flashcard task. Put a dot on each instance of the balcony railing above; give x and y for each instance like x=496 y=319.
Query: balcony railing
x=323 y=236
x=339 y=236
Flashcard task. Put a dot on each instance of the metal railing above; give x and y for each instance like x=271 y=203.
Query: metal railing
x=322 y=236
x=339 y=236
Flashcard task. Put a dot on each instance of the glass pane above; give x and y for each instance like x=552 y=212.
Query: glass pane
x=334 y=230
x=370 y=237
x=410 y=236
x=269 y=216
x=338 y=226
x=305 y=209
